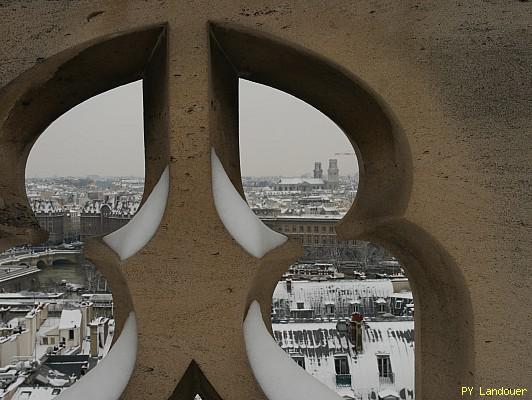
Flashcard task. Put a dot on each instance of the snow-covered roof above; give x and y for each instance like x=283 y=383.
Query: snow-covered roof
x=300 y=181
x=118 y=208
x=388 y=393
x=97 y=297
x=290 y=181
x=48 y=326
x=46 y=207
x=346 y=290
x=319 y=343
x=403 y=295
x=36 y=393
x=70 y=319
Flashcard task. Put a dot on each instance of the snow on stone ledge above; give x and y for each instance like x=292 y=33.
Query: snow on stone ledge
x=279 y=377
x=133 y=236
x=109 y=378
x=239 y=220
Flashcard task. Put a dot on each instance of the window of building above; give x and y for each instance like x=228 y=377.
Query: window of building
x=316 y=228
x=341 y=365
x=71 y=334
x=301 y=228
x=385 y=366
x=324 y=228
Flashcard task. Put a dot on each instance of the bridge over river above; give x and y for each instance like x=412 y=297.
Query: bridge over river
x=41 y=257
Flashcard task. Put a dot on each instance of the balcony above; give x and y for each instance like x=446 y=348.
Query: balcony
x=387 y=380
x=343 y=379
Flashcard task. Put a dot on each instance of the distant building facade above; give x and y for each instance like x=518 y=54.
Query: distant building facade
x=317 y=233
x=99 y=218
x=311 y=184
x=299 y=184
x=51 y=217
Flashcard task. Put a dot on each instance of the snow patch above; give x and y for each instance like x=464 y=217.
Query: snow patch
x=239 y=220
x=133 y=236
x=279 y=377
x=110 y=377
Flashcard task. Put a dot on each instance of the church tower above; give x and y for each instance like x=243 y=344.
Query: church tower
x=333 y=174
x=318 y=172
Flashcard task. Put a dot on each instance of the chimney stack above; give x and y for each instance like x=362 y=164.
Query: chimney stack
x=94 y=339
x=356 y=331
x=289 y=285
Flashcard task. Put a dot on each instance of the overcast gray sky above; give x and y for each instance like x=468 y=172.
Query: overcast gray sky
x=282 y=135
x=279 y=135
x=101 y=136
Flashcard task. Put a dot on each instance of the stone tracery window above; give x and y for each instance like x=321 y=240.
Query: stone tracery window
x=371 y=219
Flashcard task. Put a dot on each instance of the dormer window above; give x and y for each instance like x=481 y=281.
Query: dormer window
x=341 y=366
x=385 y=368
x=329 y=308
x=355 y=306
x=381 y=305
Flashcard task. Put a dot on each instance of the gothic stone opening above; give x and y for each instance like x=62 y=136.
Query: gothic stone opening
x=173 y=330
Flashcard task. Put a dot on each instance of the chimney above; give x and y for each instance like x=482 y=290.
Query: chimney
x=356 y=331
x=94 y=340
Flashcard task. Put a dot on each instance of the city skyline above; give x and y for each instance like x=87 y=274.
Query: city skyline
x=280 y=135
